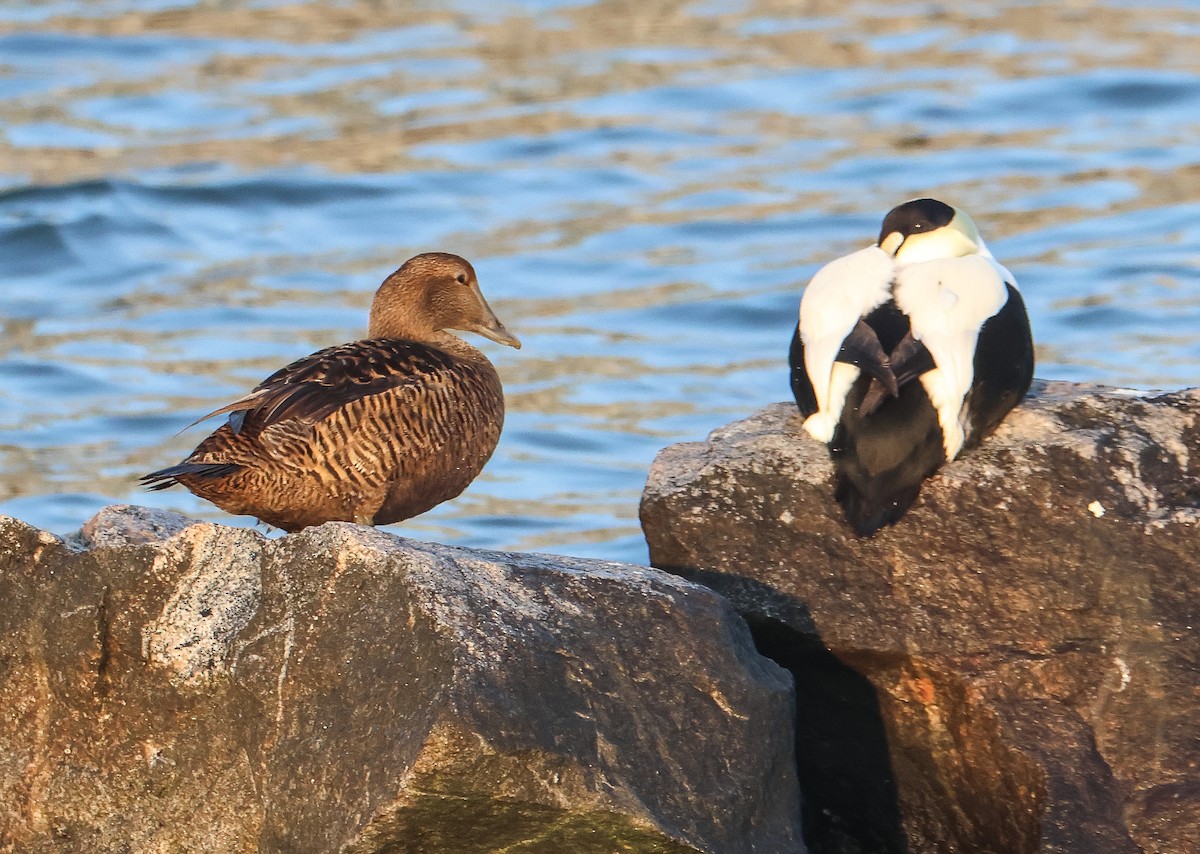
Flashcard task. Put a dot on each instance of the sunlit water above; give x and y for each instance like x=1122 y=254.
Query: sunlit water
x=193 y=194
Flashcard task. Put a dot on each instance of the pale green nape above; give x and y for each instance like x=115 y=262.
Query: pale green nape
x=891 y=243
x=962 y=222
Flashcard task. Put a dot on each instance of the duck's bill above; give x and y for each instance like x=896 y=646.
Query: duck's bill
x=499 y=334
x=494 y=329
x=489 y=326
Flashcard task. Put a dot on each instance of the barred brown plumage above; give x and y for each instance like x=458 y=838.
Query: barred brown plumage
x=374 y=431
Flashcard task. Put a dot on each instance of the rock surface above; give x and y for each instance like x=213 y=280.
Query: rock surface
x=176 y=686
x=1015 y=666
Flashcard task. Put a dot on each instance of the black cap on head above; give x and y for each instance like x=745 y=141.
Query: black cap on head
x=916 y=216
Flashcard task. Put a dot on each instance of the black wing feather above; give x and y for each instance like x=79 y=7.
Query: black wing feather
x=802 y=387
x=909 y=359
x=1004 y=360
x=862 y=349
x=168 y=477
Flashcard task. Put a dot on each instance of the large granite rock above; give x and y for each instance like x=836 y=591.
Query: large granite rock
x=1015 y=666
x=177 y=686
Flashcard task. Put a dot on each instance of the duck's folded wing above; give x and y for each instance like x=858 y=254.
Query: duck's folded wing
x=839 y=295
x=862 y=349
x=948 y=301
x=312 y=388
x=909 y=359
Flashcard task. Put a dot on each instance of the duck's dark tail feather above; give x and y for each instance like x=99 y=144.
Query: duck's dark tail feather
x=168 y=477
x=868 y=514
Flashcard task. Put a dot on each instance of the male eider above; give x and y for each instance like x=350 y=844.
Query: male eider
x=907 y=353
x=375 y=431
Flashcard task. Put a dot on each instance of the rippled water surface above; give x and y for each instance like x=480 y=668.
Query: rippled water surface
x=193 y=194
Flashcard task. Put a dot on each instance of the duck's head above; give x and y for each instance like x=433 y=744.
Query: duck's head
x=429 y=294
x=928 y=230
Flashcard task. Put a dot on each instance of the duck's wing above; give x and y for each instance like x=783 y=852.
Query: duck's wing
x=862 y=349
x=310 y=389
x=840 y=294
x=1004 y=360
x=948 y=301
x=908 y=360
x=802 y=387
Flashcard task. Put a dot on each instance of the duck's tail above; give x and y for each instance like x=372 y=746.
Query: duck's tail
x=168 y=477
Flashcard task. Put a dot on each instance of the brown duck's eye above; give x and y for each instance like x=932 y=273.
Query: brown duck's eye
x=461 y=278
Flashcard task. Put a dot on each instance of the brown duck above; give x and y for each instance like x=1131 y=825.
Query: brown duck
x=374 y=431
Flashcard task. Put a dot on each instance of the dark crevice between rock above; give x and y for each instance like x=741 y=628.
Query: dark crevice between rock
x=849 y=798
x=892 y=754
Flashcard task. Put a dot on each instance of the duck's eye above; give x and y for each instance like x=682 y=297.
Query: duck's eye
x=461 y=278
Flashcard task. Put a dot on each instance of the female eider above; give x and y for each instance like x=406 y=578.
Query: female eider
x=375 y=431
x=907 y=353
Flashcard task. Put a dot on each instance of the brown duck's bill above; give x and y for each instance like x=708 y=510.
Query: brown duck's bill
x=491 y=327
x=497 y=333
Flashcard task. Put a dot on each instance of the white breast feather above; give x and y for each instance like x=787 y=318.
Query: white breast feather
x=839 y=294
x=947 y=301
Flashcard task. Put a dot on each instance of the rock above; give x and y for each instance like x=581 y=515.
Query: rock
x=1014 y=666
x=176 y=686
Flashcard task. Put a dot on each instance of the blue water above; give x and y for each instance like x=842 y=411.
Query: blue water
x=193 y=194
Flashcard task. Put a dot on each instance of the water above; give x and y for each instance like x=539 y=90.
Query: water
x=193 y=194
